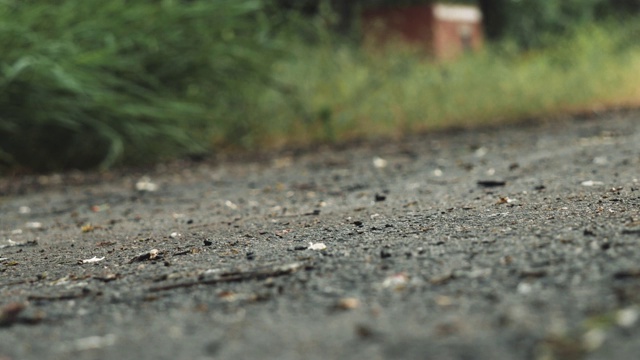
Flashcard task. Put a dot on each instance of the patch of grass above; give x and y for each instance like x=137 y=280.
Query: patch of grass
x=96 y=82
x=346 y=92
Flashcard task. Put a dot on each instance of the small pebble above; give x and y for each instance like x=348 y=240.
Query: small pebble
x=348 y=303
x=379 y=163
x=593 y=339
x=145 y=185
x=627 y=317
x=524 y=288
x=317 y=246
x=33 y=225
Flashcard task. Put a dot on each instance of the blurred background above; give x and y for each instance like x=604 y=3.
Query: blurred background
x=100 y=83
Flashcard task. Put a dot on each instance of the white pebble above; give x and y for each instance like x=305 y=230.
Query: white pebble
x=592 y=183
x=379 y=162
x=317 y=246
x=593 y=339
x=627 y=317
x=524 y=288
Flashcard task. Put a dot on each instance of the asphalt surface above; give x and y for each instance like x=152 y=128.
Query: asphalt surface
x=519 y=242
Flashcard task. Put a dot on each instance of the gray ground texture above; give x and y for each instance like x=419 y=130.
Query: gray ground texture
x=518 y=242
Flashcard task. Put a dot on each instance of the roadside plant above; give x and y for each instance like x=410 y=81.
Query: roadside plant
x=86 y=83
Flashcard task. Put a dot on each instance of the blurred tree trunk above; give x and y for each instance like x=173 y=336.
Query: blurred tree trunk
x=618 y=8
x=495 y=17
x=346 y=15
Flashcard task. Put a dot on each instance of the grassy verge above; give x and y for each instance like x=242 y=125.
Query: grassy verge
x=349 y=93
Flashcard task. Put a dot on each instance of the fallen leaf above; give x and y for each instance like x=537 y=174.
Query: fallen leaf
x=9 y=313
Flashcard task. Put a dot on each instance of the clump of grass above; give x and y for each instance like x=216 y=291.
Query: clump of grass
x=88 y=82
x=348 y=92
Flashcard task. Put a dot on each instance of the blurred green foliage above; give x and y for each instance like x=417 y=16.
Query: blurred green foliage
x=87 y=82
x=350 y=93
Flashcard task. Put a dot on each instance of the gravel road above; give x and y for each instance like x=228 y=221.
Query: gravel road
x=519 y=242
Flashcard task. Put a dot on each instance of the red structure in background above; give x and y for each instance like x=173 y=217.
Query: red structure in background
x=444 y=31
